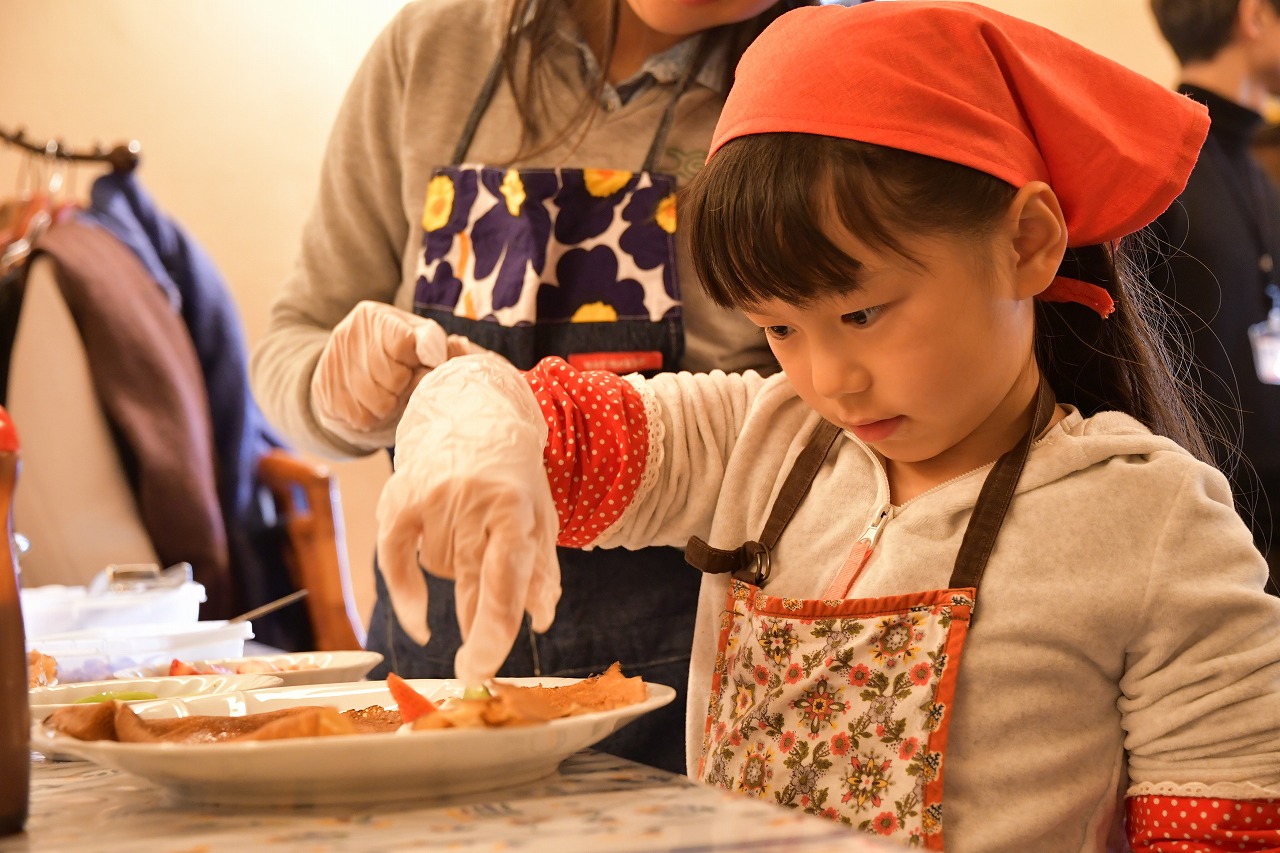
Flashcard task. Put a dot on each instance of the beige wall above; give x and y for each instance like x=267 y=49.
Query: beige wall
x=232 y=99
x=1121 y=29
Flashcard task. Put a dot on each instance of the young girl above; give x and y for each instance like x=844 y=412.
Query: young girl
x=937 y=602
x=503 y=172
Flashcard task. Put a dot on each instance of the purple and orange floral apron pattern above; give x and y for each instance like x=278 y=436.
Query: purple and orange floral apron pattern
x=576 y=263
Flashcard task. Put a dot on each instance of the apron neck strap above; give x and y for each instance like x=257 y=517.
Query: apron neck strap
x=668 y=115
x=755 y=555
x=478 y=109
x=701 y=52
x=995 y=497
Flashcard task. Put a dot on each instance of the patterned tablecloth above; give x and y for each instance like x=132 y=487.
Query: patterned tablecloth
x=594 y=803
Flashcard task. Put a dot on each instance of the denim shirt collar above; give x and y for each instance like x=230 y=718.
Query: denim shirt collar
x=665 y=68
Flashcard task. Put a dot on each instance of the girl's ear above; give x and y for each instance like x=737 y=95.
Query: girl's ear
x=1249 y=19
x=1039 y=232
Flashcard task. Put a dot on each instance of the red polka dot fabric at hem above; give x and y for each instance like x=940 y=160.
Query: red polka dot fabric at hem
x=1203 y=825
x=597 y=444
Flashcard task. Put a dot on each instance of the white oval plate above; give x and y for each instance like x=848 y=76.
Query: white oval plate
x=321 y=667
x=45 y=700
x=348 y=768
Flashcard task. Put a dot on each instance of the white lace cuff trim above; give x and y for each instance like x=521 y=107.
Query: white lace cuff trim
x=1221 y=790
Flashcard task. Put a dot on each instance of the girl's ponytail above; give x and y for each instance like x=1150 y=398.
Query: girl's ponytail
x=1133 y=361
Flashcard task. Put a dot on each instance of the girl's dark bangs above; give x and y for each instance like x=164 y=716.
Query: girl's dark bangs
x=759 y=212
x=754 y=217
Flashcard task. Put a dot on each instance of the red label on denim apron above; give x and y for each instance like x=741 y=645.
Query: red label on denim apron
x=617 y=362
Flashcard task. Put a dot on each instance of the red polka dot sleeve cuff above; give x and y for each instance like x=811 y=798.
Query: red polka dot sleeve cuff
x=1203 y=825
x=597 y=443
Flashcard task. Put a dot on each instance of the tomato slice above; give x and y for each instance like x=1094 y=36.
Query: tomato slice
x=411 y=703
x=177 y=667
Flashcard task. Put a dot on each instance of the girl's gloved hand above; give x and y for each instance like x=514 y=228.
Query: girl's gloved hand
x=469 y=500
x=369 y=367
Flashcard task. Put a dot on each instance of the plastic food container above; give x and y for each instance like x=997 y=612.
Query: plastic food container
x=94 y=654
x=55 y=609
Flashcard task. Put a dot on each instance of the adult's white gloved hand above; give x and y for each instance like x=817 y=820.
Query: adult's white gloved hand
x=370 y=365
x=469 y=499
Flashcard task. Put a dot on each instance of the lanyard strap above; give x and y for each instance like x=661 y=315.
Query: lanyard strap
x=1251 y=193
x=979 y=536
x=490 y=85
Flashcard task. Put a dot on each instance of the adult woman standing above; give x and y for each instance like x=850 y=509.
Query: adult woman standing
x=503 y=174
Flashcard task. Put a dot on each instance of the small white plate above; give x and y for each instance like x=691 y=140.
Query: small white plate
x=318 y=667
x=349 y=768
x=45 y=700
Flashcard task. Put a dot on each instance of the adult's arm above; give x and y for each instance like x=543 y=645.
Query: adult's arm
x=352 y=248
x=494 y=468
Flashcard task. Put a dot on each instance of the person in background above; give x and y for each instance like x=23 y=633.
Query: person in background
x=502 y=174
x=1219 y=245
x=971 y=580
x=1266 y=148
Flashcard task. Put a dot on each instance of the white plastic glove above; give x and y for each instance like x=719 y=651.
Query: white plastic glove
x=369 y=367
x=469 y=499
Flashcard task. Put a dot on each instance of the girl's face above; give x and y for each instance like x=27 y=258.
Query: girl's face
x=930 y=364
x=678 y=19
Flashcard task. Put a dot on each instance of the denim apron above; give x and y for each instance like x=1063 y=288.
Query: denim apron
x=578 y=263
x=841 y=706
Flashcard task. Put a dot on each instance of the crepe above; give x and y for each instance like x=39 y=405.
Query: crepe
x=611 y=689
x=117 y=721
x=514 y=705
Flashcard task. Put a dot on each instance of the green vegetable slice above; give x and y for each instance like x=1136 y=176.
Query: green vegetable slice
x=119 y=695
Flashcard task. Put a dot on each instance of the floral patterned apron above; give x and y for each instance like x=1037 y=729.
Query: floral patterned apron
x=839 y=706
x=576 y=263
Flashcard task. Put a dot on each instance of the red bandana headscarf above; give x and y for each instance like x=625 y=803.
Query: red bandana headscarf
x=965 y=83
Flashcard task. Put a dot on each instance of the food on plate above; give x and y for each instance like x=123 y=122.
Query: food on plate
x=508 y=705
x=244 y=667
x=323 y=721
x=512 y=705
x=375 y=718
x=42 y=670
x=117 y=721
x=410 y=702
x=611 y=689
x=117 y=696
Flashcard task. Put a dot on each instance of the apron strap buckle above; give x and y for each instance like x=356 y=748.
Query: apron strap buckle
x=751 y=557
x=760 y=562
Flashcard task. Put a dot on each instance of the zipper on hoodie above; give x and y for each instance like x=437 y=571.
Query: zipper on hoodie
x=861 y=551
x=859 y=554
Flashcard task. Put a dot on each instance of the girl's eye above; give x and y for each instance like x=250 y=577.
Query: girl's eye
x=865 y=317
x=777 y=332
